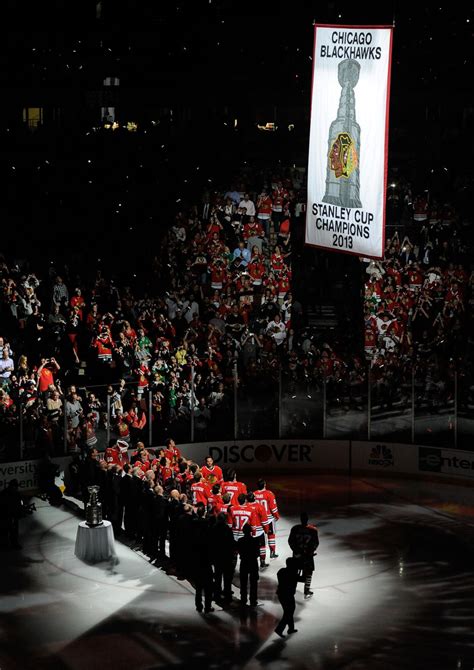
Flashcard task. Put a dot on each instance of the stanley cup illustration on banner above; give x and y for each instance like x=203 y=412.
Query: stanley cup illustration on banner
x=348 y=146
x=342 y=180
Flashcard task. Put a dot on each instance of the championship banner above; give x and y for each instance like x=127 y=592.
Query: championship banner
x=348 y=147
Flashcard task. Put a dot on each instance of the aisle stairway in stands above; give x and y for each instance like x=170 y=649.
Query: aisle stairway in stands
x=322 y=316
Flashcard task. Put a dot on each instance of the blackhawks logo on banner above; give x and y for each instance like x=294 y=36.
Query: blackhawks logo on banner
x=343 y=158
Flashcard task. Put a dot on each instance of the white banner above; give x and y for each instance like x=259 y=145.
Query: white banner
x=348 y=148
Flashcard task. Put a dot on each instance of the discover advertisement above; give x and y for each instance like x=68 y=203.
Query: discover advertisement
x=273 y=454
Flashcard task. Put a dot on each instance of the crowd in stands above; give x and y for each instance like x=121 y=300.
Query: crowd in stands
x=418 y=309
x=418 y=322
x=218 y=296
x=81 y=353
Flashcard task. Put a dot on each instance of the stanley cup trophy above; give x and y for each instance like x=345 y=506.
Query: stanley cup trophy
x=342 y=176
x=93 y=508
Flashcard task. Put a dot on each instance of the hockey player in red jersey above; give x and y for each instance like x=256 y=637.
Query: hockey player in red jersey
x=165 y=470
x=267 y=499
x=212 y=473
x=262 y=524
x=116 y=453
x=303 y=541
x=184 y=477
x=242 y=514
x=136 y=455
x=223 y=506
x=172 y=453
x=233 y=487
x=199 y=490
x=214 y=500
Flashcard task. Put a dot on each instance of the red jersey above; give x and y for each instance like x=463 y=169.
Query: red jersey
x=220 y=506
x=261 y=518
x=283 y=286
x=104 y=344
x=200 y=492
x=240 y=515
x=78 y=301
x=172 y=454
x=218 y=276
x=143 y=466
x=256 y=270
x=114 y=455
x=250 y=230
x=165 y=473
x=234 y=488
x=45 y=380
x=277 y=262
x=184 y=480
x=397 y=276
x=279 y=197
x=214 y=502
x=134 y=420
x=415 y=278
x=212 y=475
x=264 y=206
x=267 y=499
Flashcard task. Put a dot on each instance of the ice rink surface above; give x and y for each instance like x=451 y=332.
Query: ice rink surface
x=393 y=589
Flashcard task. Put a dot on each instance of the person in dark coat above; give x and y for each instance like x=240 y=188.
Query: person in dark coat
x=201 y=566
x=47 y=473
x=224 y=558
x=175 y=510
x=160 y=522
x=135 y=504
x=147 y=506
x=103 y=482
x=89 y=472
x=288 y=579
x=115 y=498
x=248 y=548
x=126 y=500
x=183 y=536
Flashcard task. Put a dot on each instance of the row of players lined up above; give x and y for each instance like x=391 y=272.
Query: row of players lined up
x=132 y=487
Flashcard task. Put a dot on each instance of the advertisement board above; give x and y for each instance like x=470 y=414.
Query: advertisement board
x=272 y=454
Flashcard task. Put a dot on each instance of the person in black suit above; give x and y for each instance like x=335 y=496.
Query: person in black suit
x=248 y=548
x=90 y=472
x=406 y=254
x=224 y=558
x=200 y=560
x=288 y=579
x=160 y=520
